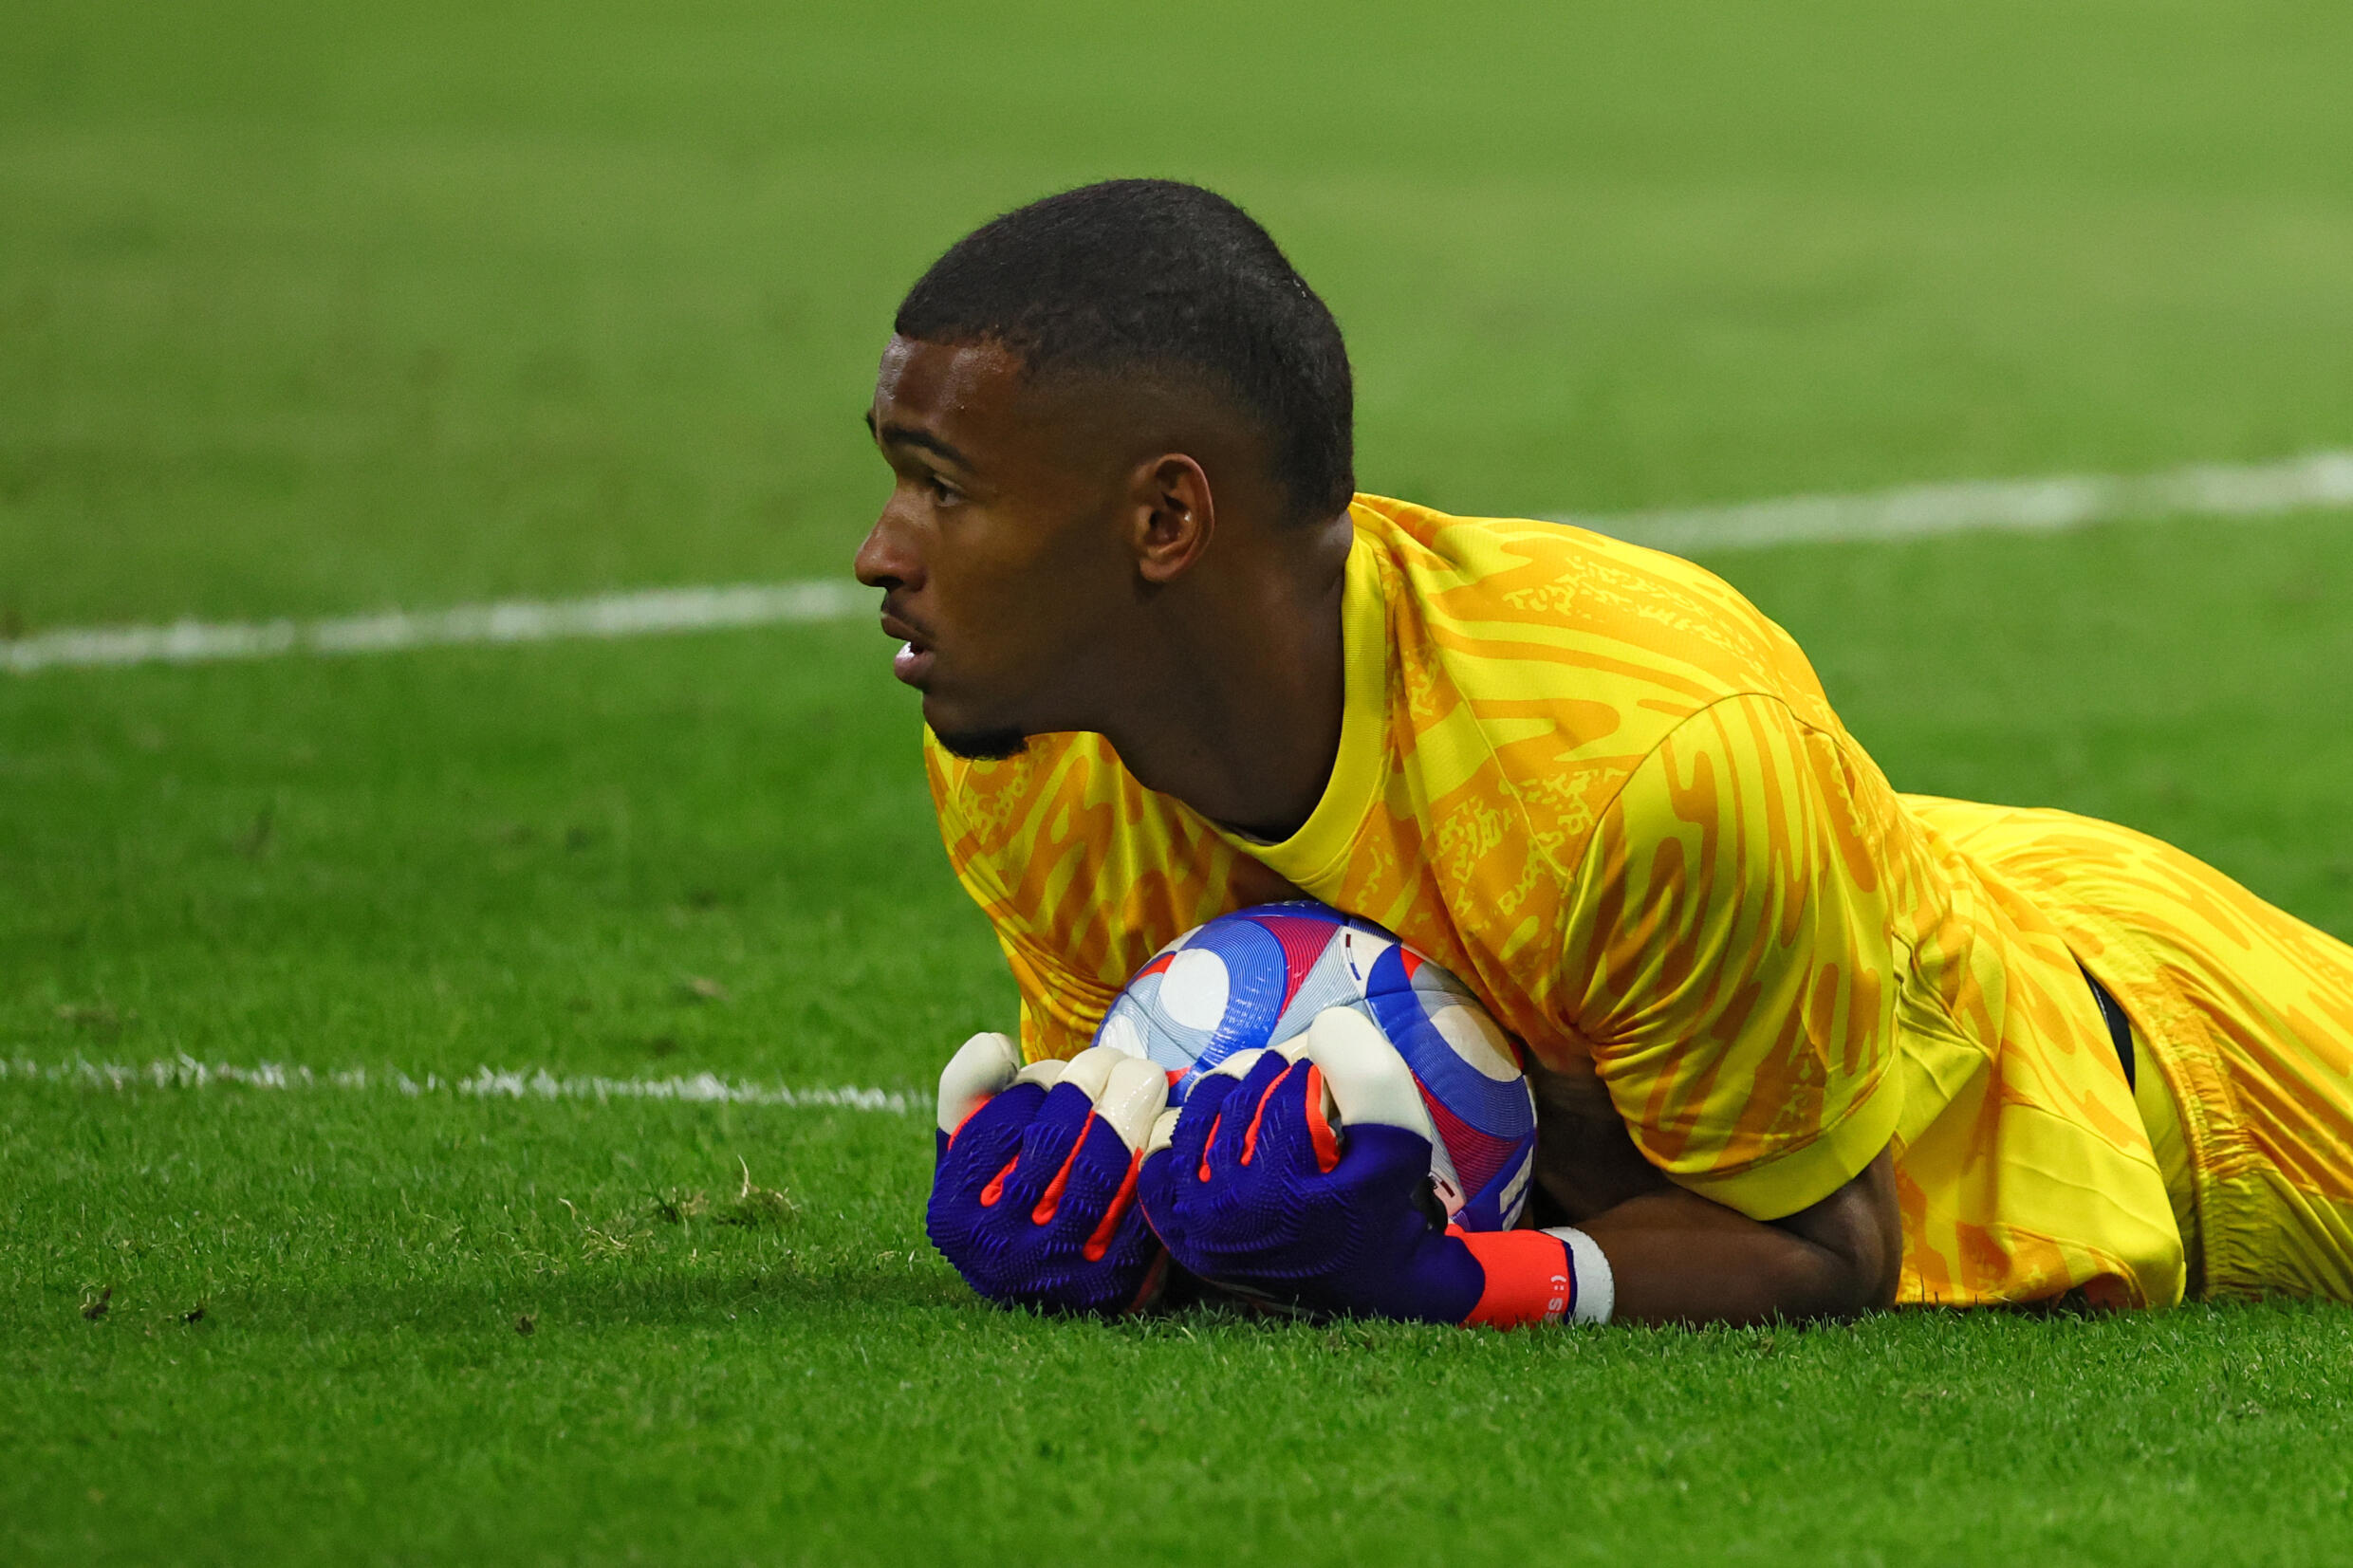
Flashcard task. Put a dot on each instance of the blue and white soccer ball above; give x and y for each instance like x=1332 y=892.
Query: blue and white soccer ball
x=1259 y=976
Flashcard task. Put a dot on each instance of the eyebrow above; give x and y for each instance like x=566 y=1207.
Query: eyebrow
x=907 y=435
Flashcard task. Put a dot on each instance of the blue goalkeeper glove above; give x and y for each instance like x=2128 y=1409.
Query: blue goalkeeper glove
x=1299 y=1177
x=1034 y=1192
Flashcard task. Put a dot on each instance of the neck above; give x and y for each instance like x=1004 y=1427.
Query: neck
x=1246 y=684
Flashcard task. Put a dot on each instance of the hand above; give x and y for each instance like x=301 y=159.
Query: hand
x=1298 y=1176
x=1033 y=1190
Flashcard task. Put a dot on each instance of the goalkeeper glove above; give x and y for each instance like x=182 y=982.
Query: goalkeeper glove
x=1034 y=1185
x=1299 y=1177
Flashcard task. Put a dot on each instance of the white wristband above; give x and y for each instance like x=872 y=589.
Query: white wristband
x=1594 y=1288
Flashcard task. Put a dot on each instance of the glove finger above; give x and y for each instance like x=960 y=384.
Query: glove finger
x=1099 y=1172
x=1324 y=1111
x=1179 y=1137
x=1163 y=1133
x=1092 y=1068
x=1125 y=1229
x=1129 y=1090
x=982 y=1068
x=1132 y=1100
x=1044 y=1073
x=1237 y=1128
x=990 y=1139
x=1204 y=1109
x=1281 y=1139
x=1159 y=1167
x=1387 y=1137
x=1369 y=1080
x=1096 y=1187
x=1047 y=1145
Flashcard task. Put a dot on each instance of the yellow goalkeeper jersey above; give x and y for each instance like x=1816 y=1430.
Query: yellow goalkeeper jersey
x=1602 y=787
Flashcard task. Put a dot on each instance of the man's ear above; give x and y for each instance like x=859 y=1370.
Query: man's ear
x=1173 y=516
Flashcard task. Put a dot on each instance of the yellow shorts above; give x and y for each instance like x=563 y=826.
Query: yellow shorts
x=2242 y=1021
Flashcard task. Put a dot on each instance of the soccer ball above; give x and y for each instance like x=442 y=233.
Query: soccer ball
x=1259 y=976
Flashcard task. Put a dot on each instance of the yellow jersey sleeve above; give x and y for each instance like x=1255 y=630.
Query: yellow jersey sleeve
x=1729 y=958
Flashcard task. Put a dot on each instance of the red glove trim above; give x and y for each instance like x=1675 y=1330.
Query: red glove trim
x=1320 y=1131
x=1049 y=1202
x=995 y=1189
x=1320 y=1134
x=1249 y=1134
x=1529 y=1278
x=1099 y=1242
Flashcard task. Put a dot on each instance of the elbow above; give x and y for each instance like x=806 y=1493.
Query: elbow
x=1867 y=1284
x=1879 y=1257
x=1856 y=1261
x=1883 y=1280
x=1830 y=1287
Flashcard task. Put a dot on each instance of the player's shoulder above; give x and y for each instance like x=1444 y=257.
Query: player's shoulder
x=1519 y=610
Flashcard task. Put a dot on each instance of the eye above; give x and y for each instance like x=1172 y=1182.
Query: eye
x=941 y=492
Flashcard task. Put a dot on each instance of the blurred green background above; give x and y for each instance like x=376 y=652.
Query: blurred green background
x=310 y=310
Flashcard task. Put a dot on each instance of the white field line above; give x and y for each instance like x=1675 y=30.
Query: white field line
x=647 y=613
x=482 y=1083
x=2026 y=506
x=2317 y=480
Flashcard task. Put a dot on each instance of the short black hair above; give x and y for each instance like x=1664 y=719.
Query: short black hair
x=1158 y=277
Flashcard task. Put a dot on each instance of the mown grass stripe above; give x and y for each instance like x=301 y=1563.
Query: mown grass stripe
x=482 y=1083
x=2311 y=482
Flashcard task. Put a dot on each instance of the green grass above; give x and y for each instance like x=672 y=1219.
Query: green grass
x=313 y=312
x=821 y=1390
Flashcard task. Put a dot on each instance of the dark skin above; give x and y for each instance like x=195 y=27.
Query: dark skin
x=1047 y=551
x=1073 y=554
x=1677 y=1257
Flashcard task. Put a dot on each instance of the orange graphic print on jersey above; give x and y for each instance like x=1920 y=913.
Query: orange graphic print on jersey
x=1598 y=784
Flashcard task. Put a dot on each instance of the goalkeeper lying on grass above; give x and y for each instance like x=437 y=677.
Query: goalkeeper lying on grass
x=1801 y=1044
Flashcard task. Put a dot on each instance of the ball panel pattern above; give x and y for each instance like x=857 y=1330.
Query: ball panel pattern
x=1259 y=976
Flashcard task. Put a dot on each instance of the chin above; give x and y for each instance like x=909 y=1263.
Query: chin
x=980 y=742
x=982 y=746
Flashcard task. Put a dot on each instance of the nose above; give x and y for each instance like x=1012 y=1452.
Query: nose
x=887 y=560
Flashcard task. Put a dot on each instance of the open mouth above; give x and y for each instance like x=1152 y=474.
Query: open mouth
x=913 y=663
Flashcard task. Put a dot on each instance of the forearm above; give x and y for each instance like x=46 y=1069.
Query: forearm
x=1676 y=1257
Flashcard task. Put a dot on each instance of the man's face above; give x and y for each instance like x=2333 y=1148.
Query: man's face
x=1000 y=550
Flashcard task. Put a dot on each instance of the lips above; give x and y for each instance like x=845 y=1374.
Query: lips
x=913 y=663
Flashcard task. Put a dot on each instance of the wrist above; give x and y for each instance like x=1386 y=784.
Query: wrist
x=1539 y=1277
